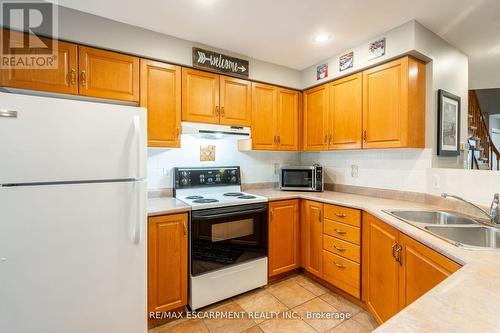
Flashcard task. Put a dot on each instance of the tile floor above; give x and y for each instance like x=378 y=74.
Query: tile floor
x=291 y=299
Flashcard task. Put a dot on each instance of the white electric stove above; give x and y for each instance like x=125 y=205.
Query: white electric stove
x=227 y=234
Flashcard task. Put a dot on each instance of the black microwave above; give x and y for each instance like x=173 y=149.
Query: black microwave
x=301 y=178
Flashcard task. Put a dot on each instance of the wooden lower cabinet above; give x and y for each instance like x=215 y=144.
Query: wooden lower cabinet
x=380 y=269
x=167 y=262
x=422 y=269
x=283 y=236
x=342 y=273
x=397 y=269
x=312 y=229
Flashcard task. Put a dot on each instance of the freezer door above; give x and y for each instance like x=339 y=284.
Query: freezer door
x=73 y=258
x=44 y=139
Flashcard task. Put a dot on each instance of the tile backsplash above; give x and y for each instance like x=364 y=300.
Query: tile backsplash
x=394 y=169
x=256 y=166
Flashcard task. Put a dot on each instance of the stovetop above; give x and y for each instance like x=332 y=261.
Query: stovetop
x=218 y=197
x=211 y=187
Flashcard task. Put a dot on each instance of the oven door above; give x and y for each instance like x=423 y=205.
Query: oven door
x=221 y=237
x=298 y=179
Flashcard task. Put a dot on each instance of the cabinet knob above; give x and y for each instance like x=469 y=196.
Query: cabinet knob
x=340 y=214
x=364 y=135
x=222 y=113
x=340 y=232
x=217 y=110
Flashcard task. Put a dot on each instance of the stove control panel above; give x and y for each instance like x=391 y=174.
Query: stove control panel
x=199 y=177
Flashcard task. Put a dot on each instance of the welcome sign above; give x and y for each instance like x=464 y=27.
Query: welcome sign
x=218 y=62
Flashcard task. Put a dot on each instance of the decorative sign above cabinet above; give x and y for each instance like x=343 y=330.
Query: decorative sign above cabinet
x=219 y=62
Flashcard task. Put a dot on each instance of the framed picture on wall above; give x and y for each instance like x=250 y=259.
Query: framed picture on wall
x=448 y=124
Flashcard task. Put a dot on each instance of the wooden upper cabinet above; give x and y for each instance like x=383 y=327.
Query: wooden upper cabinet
x=263 y=116
x=287 y=119
x=423 y=268
x=167 y=262
x=235 y=101
x=313 y=247
x=283 y=236
x=316 y=109
x=394 y=105
x=380 y=269
x=345 y=113
x=161 y=95
x=106 y=74
x=62 y=79
x=200 y=96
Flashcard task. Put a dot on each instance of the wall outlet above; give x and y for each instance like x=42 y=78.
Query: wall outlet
x=277 y=168
x=436 y=182
x=165 y=172
x=354 y=171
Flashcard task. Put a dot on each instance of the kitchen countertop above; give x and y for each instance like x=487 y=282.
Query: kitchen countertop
x=467 y=301
x=166 y=205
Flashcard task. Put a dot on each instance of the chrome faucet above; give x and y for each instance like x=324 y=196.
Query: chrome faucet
x=493 y=215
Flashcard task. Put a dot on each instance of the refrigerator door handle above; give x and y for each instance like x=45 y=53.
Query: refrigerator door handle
x=138 y=216
x=138 y=137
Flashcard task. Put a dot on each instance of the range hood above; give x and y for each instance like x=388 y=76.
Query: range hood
x=215 y=131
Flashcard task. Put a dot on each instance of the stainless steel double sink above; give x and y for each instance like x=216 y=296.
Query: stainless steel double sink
x=460 y=230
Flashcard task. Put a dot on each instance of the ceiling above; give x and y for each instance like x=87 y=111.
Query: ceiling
x=283 y=31
x=489 y=101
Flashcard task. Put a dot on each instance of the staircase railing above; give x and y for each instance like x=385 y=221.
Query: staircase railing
x=479 y=129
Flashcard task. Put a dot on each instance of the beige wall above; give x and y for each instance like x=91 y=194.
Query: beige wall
x=97 y=31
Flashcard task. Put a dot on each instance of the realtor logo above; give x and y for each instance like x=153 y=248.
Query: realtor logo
x=23 y=46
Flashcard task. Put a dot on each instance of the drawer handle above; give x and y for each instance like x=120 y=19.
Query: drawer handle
x=340 y=214
x=341 y=249
x=339 y=266
x=340 y=232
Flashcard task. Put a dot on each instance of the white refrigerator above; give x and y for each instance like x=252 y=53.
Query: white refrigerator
x=72 y=216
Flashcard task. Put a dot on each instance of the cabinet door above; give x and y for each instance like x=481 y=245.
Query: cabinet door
x=106 y=74
x=422 y=269
x=287 y=119
x=314 y=237
x=283 y=236
x=167 y=262
x=200 y=96
x=62 y=79
x=345 y=116
x=235 y=101
x=381 y=270
x=161 y=95
x=385 y=105
x=264 y=116
x=316 y=106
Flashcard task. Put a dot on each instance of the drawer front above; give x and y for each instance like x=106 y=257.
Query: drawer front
x=343 y=231
x=341 y=248
x=342 y=273
x=343 y=214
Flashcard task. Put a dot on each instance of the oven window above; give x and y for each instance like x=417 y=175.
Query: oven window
x=297 y=178
x=221 y=239
x=232 y=230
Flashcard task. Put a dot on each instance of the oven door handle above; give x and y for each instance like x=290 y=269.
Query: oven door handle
x=228 y=214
